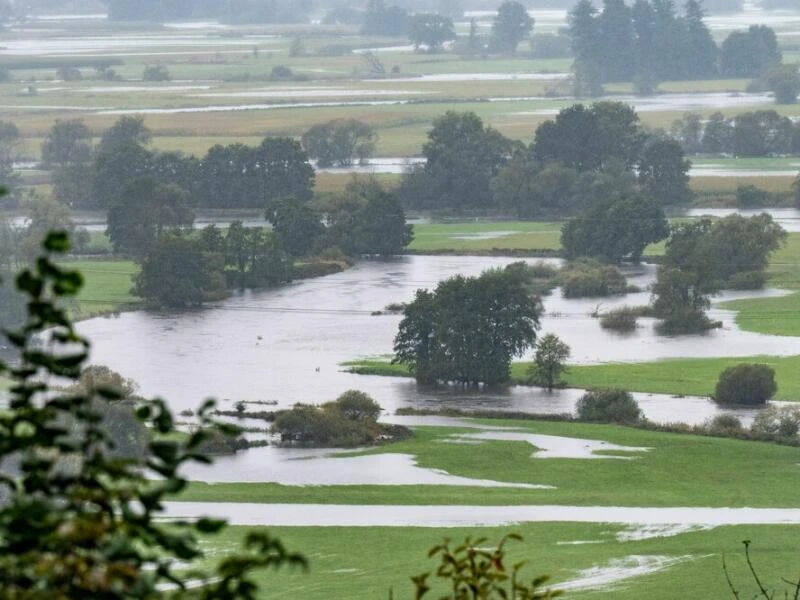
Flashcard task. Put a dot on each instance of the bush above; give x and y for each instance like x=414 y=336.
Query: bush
x=155 y=73
x=281 y=72
x=622 y=319
x=588 y=278
x=686 y=321
x=746 y=384
x=747 y=280
x=776 y=422
x=724 y=426
x=351 y=420
x=608 y=405
x=750 y=196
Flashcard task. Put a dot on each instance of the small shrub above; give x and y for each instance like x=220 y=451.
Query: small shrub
x=747 y=280
x=776 y=422
x=685 y=322
x=724 y=425
x=588 y=278
x=620 y=319
x=608 y=405
x=155 y=73
x=746 y=384
x=750 y=196
x=281 y=72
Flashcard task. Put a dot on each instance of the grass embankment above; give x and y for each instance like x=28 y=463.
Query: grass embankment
x=718 y=472
x=385 y=558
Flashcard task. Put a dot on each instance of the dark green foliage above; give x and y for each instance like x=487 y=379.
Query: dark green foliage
x=746 y=384
x=77 y=521
x=297 y=226
x=750 y=196
x=462 y=156
x=550 y=45
x=664 y=172
x=67 y=143
x=252 y=253
x=145 y=210
x=622 y=319
x=726 y=251
x=470 y=570
x=645 y=43
x=724 y=426
x=177 y=273
x=549 y=362
x=430 y=30
x=608 y=405
x=469 y=328
x=784 y=82
x=350 y=420
x=747 y=280
x=380 y=19
x=510 y=27
x=340 y=142
x=776 y=422
x=588 y=278
x=680 y=299
x=156 y=73
x=749 y=53
x=615 y=229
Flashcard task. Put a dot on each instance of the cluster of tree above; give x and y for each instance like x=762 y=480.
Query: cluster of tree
x=586 y=278
x=234 y=176
x=650 y=42
x=350 y=420
x=758 y=133
x=469 y=328
x=339 y=142
x=704 y=256
x=228 y=11
x=583 y=157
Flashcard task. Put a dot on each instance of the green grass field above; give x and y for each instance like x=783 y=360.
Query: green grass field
x=107 y=287
x=382 y=561
x=725 y=472
x=482 y=237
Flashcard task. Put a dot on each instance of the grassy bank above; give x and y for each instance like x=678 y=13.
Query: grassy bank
x=107 y=287
x=719 y=472
x=685 y=376
x=385 y=558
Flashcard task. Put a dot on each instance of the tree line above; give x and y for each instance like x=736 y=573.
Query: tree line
x=757 y=133
x=650 y=41
x=583 y=156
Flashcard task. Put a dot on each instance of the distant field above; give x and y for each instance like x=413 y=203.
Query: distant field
x=107 y=287
x=484 y=237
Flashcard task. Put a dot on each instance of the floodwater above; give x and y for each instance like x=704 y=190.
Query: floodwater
x=445 y=77
x=788 y=218
x=240 y=107
x=620 y=569
x=338 y=515
x=287 y=344
x=316 y=92
x=670 y=102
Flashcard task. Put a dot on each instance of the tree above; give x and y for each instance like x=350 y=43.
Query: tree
x=253 y=252
x=177 y=273
x=680 y=299
x=749 y=53
x=67 y=143
x=126 y=130
x=156 y=73
x=746 y=384
x=383 y=223
x=511 y=25
x=584 y=32
x=340 y=142
x=380 y=19
x=615 y=229
x=549 y=361
x=144 y=210
x=784 y=81
x=617 y=58
x=68 y=532
x=664 y=172
x=468 y=330
x=717 y=134
x=700 y=50
x=297 y=226
x=282 y=170
x=44 y=215
x=462 y=156
x=9 y=151
x=430 y=30
x=761 y=133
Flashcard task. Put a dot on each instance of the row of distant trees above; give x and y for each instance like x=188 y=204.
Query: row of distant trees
x=650 y=41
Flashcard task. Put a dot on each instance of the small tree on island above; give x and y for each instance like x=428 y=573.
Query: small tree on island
x=549 y=361
x=469 y=328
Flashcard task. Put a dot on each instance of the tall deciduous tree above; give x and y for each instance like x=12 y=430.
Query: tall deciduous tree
x=617 y=228
x=468 y=329
x=549 y=362
x=749 y=53
x=511 y=25
x=664 y=172
x=431 y=30
x=67 y=143
x=340 y=142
